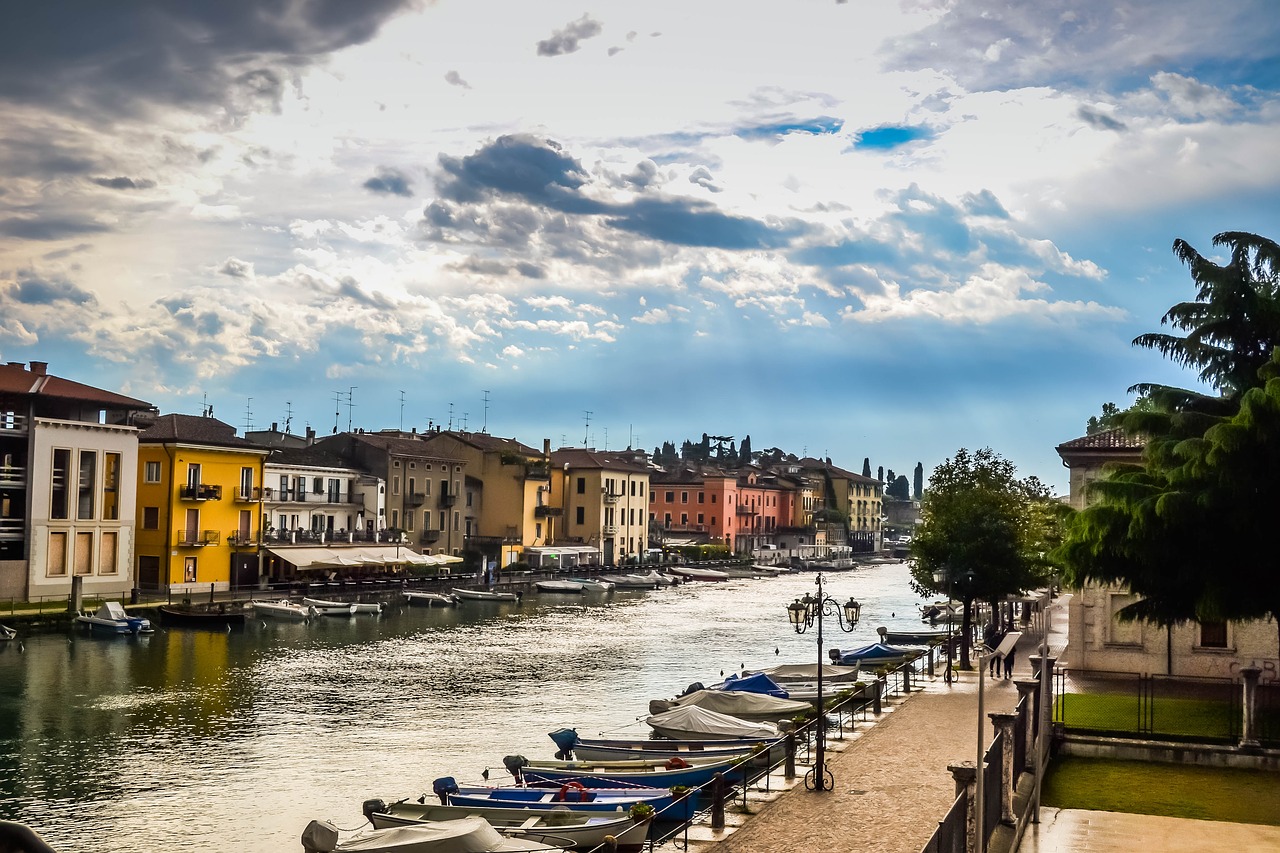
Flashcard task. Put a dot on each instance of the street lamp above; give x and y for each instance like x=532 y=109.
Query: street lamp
x=803 y=613
x=943 y=576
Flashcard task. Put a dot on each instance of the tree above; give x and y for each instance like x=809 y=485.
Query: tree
x=1108 y=419
x=899 y=489
x=985 y=530
x=1184 y=528
x=918 y=484
x=744 y=451
x=880 y=473
x=866 y=466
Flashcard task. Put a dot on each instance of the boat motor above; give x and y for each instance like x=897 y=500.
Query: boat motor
x=443 y=787
x=566 y=739
x=514 y=764
x=695 y=687
x=835 y=655
x=371 y=808
x=320 y=836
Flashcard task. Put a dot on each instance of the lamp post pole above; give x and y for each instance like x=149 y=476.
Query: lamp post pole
x=803 y=613
x=944 y=576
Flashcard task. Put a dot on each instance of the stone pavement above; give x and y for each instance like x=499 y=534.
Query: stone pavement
x=1070 y=830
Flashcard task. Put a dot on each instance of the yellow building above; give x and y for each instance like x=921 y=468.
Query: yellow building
x=603 y=501
x=199 y=506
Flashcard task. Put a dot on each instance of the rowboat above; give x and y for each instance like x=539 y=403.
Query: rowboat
x=430 y=599
x=599 y=749
x=111 y=618
x=573 y=587
x=582 y=830
x=484 y=595
x=468 y=835
x=630 y=581
x=610 y=774
x=594 y=584
x=874 y=655
x=282 y=610
x=696 y=574
x=578 y=797
x=190 y=617
x=792 y=672
x=691 y=722
x=913 y=638
x=330 y=608
x=744 y=705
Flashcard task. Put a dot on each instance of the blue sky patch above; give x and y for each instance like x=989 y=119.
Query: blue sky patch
x=887 y=137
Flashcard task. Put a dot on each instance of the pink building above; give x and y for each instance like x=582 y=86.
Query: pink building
x=714 y=507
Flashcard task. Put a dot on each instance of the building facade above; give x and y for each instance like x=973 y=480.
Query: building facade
x=603 y=499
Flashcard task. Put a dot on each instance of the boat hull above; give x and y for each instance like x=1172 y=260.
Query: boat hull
x=758 y=751
x=281 y=610
x=484 y=595
x=211 y=620
x=430 y=599
x=611 y=800
x=613 y=774
x=583 y=830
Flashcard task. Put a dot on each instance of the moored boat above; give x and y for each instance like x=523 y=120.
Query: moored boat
x=7 y=633
x=582 y=830
x=468 y=835
x=282 y=609
x=601 y=749
x=572 y=587
x=691 y=722
x=874 y=655
x=430 y=599
x=630 y=581
x=654 y=773
x=913 y=638
x=575 y=796
x=594 y=584
x=694 y=573
x=740 y=704
x=340 y=608
x=208 y=618
x=484 y=595
x=111 y=618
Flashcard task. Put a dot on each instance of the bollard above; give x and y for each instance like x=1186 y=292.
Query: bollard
x=932 y=649
x=790 y=763
x=1004 y=730
x=1249 y=705
x=717 y=801
x=906 y=679
x=610 y=844
x=875 y=696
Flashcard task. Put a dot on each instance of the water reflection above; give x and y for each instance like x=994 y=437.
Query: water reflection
x=216 y=741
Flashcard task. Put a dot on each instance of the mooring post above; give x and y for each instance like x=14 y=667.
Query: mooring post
x=789 y=766
x=1248 y=737
x=717 y=801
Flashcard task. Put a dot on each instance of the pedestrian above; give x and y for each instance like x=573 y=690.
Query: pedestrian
x=1008 y=662
x=991 y=637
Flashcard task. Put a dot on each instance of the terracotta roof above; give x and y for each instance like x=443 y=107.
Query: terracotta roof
x=311 y=457
x=17 y=379
x=484 y=441
x=193 y=429
x=398 y=446
x=835 y=471
x=1108 y=439
x=576 y=457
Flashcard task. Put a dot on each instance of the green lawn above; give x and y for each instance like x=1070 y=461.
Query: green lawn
x=1172 y=790
x=1184 y=718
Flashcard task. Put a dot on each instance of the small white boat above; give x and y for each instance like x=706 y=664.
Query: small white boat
x=484 y=595
x=468 y=835
x=283 y=610
x=696 y=574
x=430 y=599
x=7 y=633
x=691 y=722
x=559 y=586
x=329 y=608
x=594 y=585
x=630 y=581
x=111 y=618
x=658 y=578
x=584 y=830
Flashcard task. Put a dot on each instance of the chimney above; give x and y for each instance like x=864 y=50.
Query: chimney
x=40 y=368
x=275 y=426
x=18 y=364
x=546 y=448
x=311 y=436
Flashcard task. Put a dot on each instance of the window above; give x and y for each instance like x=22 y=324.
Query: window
x=702 y=497
x=713 y=498
x=537 y=530
x=426 y=519
x=1213 y=635
x=84 y=553
x=426 y=487
x=86 y=484
x=684 y=497
x=317 y=485
x=395 y=518
x=684 y=519
x=108 y=553
x=456 y=517
x=193 y=475
x=395 y=485
x=580 y=515
x=56 y=565
x=189 y=570
x=408 y=521
x=633 y=488
x=284 y=487
x=671 y=497
x=111 y=486
x=713 y=518
x=151 y=518
x=58 y=493
x=152 y=472
x=246 y=483
x=700 y=517
x=409 y=486
x=582 y=485
x=469 y=497
x=395 y=464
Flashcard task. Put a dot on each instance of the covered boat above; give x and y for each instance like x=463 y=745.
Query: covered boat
x=282 y=609
x=630 y=581
x=756 y=707
x=594 y=584
x=698 y=574
x=574 y=587
x=654 y=773
x=875 y=654
x=468 y=835
x=581 y=830
x=576 y=796
x=788 y=672
x=692 y=722
x=430 y=599
x=111 y=618
x=484 y=595
x=754 y=683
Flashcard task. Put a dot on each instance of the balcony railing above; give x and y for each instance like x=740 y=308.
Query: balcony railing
x=202 y=492
x=12 y=423
x=251 y=495
x=686 y=528
x=240 y=539
x=612 y=497
x=544 y=511
x=11 y=529
x=13 y=476
x=609 y=529
x=448 y=500
x=537 y=472
x=415 y=499
x=743 y=509
x=198 y=538
x=429 y=536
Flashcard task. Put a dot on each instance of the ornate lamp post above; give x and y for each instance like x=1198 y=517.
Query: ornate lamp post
x=803 y=613
x=944 y=576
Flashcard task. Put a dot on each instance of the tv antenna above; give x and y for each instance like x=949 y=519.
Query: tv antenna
x=485 y=424
x=206 y=407
x=586 y=432
x=402 y=411
x=337 y=410
x=451 y=417
x=288 y=415
x=351 y=404
x=248 y=414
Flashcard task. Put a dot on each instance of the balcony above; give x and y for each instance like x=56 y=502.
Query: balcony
x=448 y=500
x=743 y=509
x=197 y=538
x=244 y=496
x=429 y=536
x=239 y=539
x=11 y=530
x=13 y=476
x=415 y=499
x=609 y=530
x=537 y=472
x=686 y=528
x=612 y=497
x=544 y=511
x=202 y=492
x=12 y=423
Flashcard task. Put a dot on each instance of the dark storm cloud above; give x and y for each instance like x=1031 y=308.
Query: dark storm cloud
x=566 y=40
x=539 y=173
x=116 y=58
x=390 y=182
x=1102 y=121
x=124 y=183
x=529 y=270
x=31 y=289
x=49 y=227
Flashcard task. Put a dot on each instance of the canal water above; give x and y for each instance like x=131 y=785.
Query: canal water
x=210 y=741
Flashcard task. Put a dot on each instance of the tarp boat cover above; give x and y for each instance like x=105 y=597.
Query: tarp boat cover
x=757 y=683
x=874 y=652
x=692 y=721
x=809 y=672
x=744 y=706
x=468 y=835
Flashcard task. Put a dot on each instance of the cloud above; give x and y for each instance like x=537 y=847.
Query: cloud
x=30 y=289
x=653 y=316
x=389 y=182
x=566 y=40
x=702 y=178
x=453 y=78
x=236 y=268
x=51 y=227
x=1098 y=119
x=123 y=183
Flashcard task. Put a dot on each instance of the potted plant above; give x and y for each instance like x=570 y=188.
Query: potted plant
x=641 y=812
x=679 y=792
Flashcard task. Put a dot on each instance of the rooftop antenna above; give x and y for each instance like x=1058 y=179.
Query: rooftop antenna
x=402 y=411
x=288 y=415
x=464 y=421
x=451 y=417
x=351 y=404
x=564 y=441
x=206 y=408
x=586 y=432
x=248 y=414
x=485 y=425
x=337 y=411
x=606 y=438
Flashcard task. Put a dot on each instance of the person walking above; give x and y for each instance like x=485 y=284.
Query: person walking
x=991 y=637
x=1008 y=662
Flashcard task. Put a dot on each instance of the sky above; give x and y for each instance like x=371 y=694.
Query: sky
x=847 y=229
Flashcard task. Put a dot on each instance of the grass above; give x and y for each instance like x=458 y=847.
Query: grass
x=1171 y=790
x=1184 y=718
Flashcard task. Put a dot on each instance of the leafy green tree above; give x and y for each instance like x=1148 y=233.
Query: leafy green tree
x=1184 y=529
x=985 y=530
x=918 y=481
x=866 y=466
x=899 y=489
x=744 y=451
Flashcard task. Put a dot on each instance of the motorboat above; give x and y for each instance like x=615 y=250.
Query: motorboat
x=430 y=599
x=282 y=609
x=740 y=704
x=219 y=619
x=329 y=608
x=654 y=773
x=581 y=830
x=484 y=595
x=594 y=584
x=694 y=573
x=874 y=655
x=659 y=578
x=575 y=796
x=467 y=835
x=630 y=581
x=693 y=722
x=573 y=587
x=602 y=749
x=806 y=672
x=7 y=633
x=913 y=638
x=111 y=618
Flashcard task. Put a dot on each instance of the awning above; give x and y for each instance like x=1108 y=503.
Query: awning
x=371 y=555
x=306 y=558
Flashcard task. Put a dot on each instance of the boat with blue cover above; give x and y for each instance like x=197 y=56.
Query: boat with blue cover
x=574 y=795
x=599 y=749
x=874 y=655
x=653 y=773
x=111 y=618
